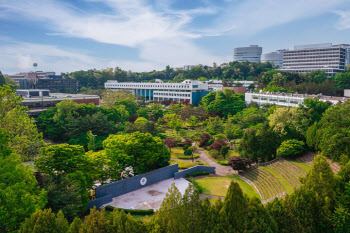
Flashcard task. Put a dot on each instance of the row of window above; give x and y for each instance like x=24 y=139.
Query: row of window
x=172 y=94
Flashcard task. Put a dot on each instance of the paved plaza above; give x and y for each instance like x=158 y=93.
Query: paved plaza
x=149 y=197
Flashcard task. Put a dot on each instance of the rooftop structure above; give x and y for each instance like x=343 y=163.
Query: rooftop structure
x=188 y=91
x=251 y=54
x=287 y=100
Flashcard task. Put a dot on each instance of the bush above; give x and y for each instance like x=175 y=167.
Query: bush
x=131 y=211
x=198 y=174
x=196 y=185
x=205 y=137
x=215 y=154
x=218 y=144
x=188 y=152
x=186 y=147
x=290 y=148
x=187 y=157
x=210 y=142
x=224 y=151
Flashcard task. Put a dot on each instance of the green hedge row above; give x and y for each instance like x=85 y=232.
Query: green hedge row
x=198 y=174
x=196 y=185
x=187 y=157
x=131 y=211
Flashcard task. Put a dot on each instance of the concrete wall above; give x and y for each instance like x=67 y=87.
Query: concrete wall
x=199 y=168
x=100 y=201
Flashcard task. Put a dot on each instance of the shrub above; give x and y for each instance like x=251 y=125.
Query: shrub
x=198 y=174
x=219 y=136
x=210 y=142
x=290 y=148
x=218 y=144
x=215 y=154
x=187 y=142
x=224 y=151
x=187 y=157
x=185 y=147
x=239 y=163
x=188 y=152
x=131 y=211
x=196 y=185
x=205 y=137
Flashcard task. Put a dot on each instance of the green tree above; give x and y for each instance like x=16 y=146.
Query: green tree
x=289 y=123
x=215 y=125
x=290 y=148
x=75 y=225
x=141 y=151
x=342 y=80
x=2 y=79
x=223 y=103
x=143 y=112
x=61 y=158
x=331 y=135
x=314 y=108
x=20 y=195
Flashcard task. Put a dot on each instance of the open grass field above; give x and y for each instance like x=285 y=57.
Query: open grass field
x=218 y=185
x=187 y=164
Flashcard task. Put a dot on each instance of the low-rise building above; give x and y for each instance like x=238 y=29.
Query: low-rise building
x=286 y=99
x=187 y=91
x=40 y=100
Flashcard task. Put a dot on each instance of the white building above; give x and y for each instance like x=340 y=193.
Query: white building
x=287 y=100
x=276 y=58
x=323 y=57
x=251 y=54
x=188 y=91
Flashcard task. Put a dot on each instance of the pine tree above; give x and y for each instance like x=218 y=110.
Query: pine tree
x=191 y=210
x=42 y=221
x=75 y=225
x=97 y=222
x=62 y=225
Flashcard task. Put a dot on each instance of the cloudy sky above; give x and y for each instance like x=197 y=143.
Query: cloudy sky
x=143 y=35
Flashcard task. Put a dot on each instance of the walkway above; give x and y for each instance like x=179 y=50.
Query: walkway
x=220 y=170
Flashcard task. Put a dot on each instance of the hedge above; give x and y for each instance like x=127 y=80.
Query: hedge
x=187 y=157
x=196 y=185
x=198 y=174
x=131 y=211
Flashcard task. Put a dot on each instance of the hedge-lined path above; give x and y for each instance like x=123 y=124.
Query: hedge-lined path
x=220 y=169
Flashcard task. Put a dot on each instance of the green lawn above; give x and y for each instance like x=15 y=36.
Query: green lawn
x=178 y=151
x=218 y=185
x=288 y=188
x=188 y=164
x=302 y=165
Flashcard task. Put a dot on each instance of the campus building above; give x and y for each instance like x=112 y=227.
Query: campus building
x=276 y=58
x=328 y=58
x=40 y=100
x=251 y=53
x=188 y=91
x=287 y=100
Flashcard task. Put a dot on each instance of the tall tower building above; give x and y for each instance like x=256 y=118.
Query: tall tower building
x=251 y=53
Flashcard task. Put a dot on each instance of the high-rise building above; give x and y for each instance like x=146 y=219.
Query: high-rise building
x=329 y=58
x=276 y=58
x=251 y=53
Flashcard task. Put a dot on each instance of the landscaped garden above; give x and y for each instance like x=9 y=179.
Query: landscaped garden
x=218 y=186
x=187 y=164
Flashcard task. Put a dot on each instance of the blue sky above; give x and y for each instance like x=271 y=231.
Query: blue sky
x=143 y=35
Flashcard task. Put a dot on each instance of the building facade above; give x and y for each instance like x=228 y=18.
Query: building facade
x=328 y=58
x=276 y=58
x=40 y=100
x=287 y=100
x=251 y=54
x=188 y=91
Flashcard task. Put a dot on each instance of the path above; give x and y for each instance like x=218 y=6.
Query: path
x=220 y=170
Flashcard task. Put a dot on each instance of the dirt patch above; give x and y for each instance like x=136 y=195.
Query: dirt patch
x=154 y=193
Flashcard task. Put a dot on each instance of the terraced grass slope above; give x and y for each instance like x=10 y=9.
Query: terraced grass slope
x=309 y=158
x=275 y=179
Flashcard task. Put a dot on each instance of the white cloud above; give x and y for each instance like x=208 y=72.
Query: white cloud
x=344 y=21
x=253 y=16
x=162 y=35
x=19 y=57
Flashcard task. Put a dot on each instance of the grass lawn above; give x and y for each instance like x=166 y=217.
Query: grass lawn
x=218 y=185
x=187 y=164
x=302 y=165
x=178 y=151
x=288 y=188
